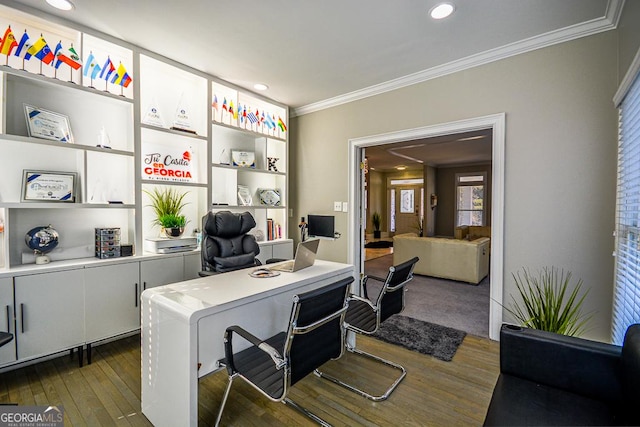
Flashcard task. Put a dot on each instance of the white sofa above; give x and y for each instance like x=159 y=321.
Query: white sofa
x=461 y=260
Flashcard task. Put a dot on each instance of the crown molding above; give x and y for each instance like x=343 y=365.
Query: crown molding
x=584 y=29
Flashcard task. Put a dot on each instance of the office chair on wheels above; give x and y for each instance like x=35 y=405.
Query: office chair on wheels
x=226 y=244
x=314 y=336
x=365 y=317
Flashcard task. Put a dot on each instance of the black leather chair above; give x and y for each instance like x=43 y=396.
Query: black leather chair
x=314 y=336
x=547 y=379
x=226 y=246
x=5 y=338
x=365 y=317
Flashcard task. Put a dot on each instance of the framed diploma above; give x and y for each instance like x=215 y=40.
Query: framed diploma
x=44 y=186
x=269 y=196
x=243 y=159
x=47 y=124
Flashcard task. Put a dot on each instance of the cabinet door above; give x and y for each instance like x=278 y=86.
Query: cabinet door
x=49 y=312
x=192 y=265
x=266 y=252
x=158 y=272
x=283 y=250
x=8 y=351
x=112 y=298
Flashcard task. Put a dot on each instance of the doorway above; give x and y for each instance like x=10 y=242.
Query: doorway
x=357 y=207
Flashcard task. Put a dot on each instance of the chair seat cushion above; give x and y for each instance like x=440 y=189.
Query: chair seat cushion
x=234 y=262
x=257 y=367
x=361 y=315
x=518 y=402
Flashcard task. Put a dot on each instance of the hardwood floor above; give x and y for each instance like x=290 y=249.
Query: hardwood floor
x=434 y=393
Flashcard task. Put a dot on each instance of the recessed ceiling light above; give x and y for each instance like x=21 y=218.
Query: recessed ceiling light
x=401 y=168
x=441 y=10
x=260 y=86
x=61 y=4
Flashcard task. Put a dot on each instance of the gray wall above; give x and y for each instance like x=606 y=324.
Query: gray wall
x=560 y=155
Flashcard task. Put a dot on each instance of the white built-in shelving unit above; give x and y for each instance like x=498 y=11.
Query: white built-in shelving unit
x=112 y=183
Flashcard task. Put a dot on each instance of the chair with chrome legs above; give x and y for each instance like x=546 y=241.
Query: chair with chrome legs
x=314 y=336
x=365 y=317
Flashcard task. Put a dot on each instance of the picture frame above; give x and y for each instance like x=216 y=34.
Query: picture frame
x=47 y=124
x=49 y=186
x=243 y=159
x=244 y=196
x=269 y=196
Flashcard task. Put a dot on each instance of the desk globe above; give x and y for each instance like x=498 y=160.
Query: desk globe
x=41 y=240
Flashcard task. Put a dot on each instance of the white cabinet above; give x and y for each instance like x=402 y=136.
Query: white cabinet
x=280 y=249
x=49 y=312
x=158 y=272
x=8 y=352
x=112 y=295
x=192 y=265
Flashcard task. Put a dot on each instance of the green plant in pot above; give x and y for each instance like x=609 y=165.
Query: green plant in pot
x=549 y=302
x=376 y=220
x=167 y=205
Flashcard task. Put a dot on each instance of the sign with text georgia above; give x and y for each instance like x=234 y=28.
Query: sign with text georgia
x=162 y=162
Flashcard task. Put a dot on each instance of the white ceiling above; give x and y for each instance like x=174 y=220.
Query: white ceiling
x=315 y=54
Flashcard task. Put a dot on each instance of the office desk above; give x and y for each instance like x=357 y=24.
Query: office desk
x=183 y=326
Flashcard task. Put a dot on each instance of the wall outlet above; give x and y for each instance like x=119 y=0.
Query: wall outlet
x=337 y=206
x=345 y=206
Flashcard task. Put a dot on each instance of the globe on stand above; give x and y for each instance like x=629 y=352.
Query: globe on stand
x=41 y=240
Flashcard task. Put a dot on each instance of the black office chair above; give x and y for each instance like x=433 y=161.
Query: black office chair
x=226 y=244
x=314 y=336
x=365 y=317
x=5 y=338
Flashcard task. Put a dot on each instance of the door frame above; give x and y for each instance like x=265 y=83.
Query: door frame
x=497 y=123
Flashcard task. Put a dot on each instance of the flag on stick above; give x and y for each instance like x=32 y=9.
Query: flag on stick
x=122 y=78
x=40 y=49
x=8 y=42
x=23 y=42
x=72 y=60
x=88 y=64
x=281 y=124
x=108 y=68
x=96 y=70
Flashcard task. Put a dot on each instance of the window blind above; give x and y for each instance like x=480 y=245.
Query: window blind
x=626 y=304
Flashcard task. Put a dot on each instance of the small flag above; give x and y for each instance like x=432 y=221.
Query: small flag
x=58 y=48
x=8 y=42
x=23 y=42
x=224 y=105
x=72 y=60
x=96 y=70
x=252 y=117
x=243 y=113
x=234 y=113
x=88 y=64
x=281 y=124
x=108 y=68
x=40 y=50
x=122 y=78
x=215 y=102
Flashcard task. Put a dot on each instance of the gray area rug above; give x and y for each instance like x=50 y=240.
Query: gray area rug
x=457 y=305
x=424 y=337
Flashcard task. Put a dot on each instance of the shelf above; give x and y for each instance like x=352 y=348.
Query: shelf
x=61 y=83
x=173 y=132
x=248 y=131
x=63 y=205
x=248 y=170
x=179 y=184
x=57 y=144
x=246 y=207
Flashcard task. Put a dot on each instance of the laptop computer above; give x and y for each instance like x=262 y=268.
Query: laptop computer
x=305 y=257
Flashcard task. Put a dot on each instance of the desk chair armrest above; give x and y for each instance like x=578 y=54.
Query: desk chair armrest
x=365 y=300
x=278 y=360
x=364 y=283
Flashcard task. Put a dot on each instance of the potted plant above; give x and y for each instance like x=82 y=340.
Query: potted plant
x=548 y=302
x=167 y=205
x=376 y=219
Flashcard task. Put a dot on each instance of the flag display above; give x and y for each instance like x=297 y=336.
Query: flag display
x=23 y=42
x=40 y=49
x=72 y=60
x=107 y=68
x=8 y=42
x=281 y=124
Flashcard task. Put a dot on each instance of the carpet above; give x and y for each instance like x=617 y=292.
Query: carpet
x=438 y=341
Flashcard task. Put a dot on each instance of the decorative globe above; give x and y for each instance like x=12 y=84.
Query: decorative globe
x=42 y=239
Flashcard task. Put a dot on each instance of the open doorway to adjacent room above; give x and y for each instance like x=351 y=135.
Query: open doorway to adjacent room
x=430 y=181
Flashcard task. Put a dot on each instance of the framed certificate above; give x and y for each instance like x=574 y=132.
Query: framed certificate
x=243 y=159
x=47 y=124
x=269 y=196
x=44 y=186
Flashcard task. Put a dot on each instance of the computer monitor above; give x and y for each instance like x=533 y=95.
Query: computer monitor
x=321 y=226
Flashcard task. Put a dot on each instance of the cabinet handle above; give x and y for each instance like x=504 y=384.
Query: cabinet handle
x=136 y=301
x=8 y=319
x=144 y=286
x=22 y=317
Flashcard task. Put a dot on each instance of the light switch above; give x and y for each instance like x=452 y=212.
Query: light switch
x=345 y=206
x=337 y=206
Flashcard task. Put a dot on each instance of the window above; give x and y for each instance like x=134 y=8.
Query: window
x=470 y=203
x=626 y=298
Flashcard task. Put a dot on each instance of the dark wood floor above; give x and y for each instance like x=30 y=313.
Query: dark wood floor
x=434 y=393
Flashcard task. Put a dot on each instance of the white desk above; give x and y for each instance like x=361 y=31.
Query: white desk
x=183 y=325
